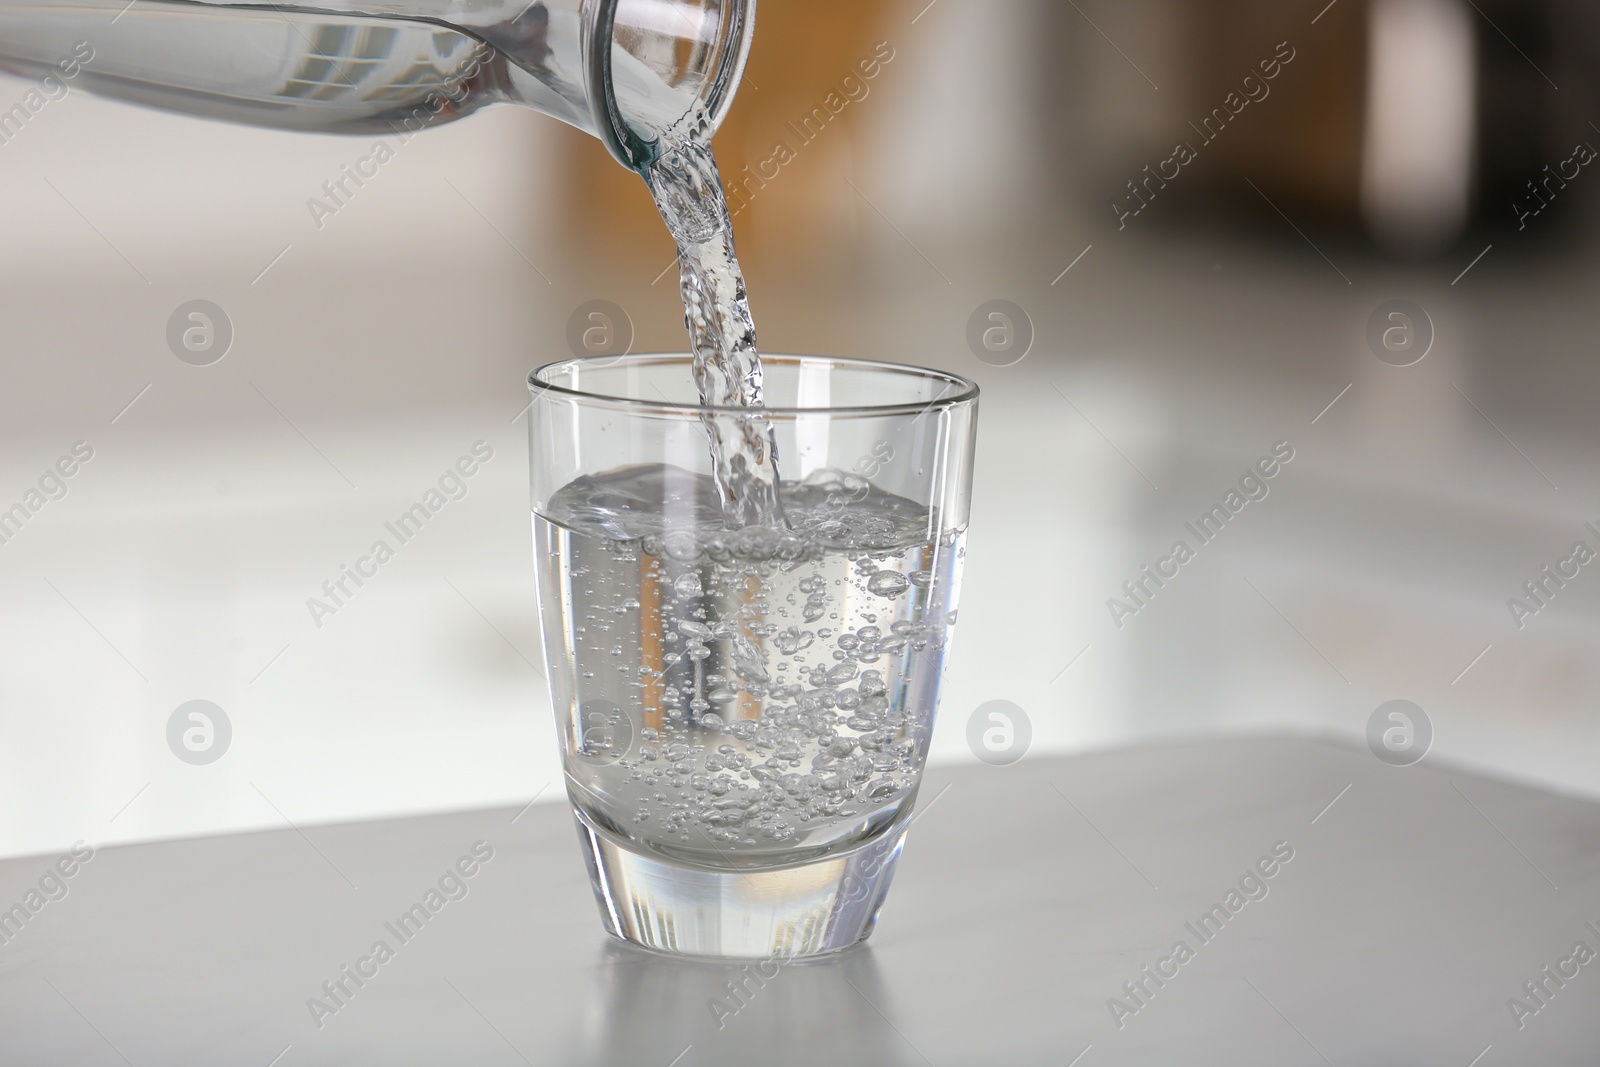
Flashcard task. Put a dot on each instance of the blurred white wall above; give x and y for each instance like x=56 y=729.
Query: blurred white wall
x=959 y=145
x=376 y=350
x=383 y=346
x=180 y=197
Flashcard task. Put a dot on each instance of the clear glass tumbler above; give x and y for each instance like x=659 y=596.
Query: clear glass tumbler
x=745 y=712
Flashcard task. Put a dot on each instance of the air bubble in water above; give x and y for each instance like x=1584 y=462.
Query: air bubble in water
x=680 y=545
x=887 y=583
x=814 y=741
x=793 y=640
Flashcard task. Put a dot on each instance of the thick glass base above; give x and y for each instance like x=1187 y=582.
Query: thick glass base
x=806 y=909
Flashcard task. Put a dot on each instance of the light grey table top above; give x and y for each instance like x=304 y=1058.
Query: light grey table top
x=1417 y=903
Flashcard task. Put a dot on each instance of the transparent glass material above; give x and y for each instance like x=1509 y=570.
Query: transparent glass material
x=623 y=70
x=744 y=713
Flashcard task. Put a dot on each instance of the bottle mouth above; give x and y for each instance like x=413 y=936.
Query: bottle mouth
x=651 y=62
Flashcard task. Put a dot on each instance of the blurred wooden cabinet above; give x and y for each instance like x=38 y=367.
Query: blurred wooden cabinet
x=814 y=62
x=1358 y=91
x=1304 y=138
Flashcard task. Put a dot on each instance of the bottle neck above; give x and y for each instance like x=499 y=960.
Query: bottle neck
x=655 y=65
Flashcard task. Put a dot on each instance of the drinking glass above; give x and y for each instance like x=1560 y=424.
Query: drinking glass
x=744 y=713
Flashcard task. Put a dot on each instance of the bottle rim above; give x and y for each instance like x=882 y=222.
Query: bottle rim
x=717 y=91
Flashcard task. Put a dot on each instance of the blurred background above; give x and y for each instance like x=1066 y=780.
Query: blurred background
x=1196 y=209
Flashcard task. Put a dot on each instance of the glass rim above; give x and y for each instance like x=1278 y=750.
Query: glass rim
x=966 y=389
